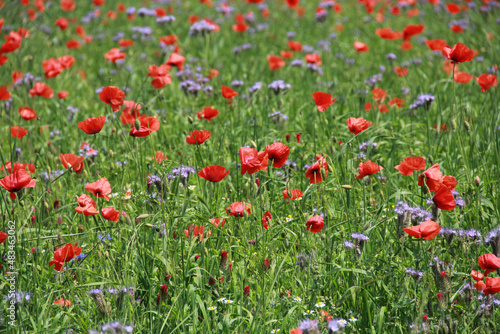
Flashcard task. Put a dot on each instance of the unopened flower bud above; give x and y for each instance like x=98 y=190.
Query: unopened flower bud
x=137 y=124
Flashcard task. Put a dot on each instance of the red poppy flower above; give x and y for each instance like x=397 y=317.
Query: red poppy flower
x=436 y=44
x=62 y=94
x=147 y=124
x=368 y=168
x=62 y=302
x=412 y=30
x=3 y=237
x=492 y=286
x=197 y=231
x=16 y=181
x=387 y=33
x=66 y=61
x=125 y=43
x=443 y=199
x=228 y=93
x=100 y=188
x=406 y=45
x=315 y=224
x=73 y=44
x=41 y=89
x=112 y=96
x=160 y=75
x=252 y=161
x=314 y=172
x=68 y=5
x=323 y=100
x=130 y=112
x=361 y=47
x=64 y=254
x=86 y=206
x=410 y=164
x=294 y=46
x=462 y=77
x=486 y=81
x=218 y=222
x=397 y=101
x=114 y=54
x=169 y=39
x=17 y=166
x=213 y=173
x=275 y=62
x=208 y=113
x=357 y=125
x=476 y=275
x=240 y=26
x=313 y=58
x=52 y=68
x=433 y=178
x=265 y=219
x=297 y=137
x=4 y=94
x=72 y=161
x=12 y=43
x=160 y=157
x=459 y=53
x=278 y=153
x=109 y=213
x=400 y=71
x=489 y=263
x=27 y=113
x=92 y=125
x=286 y=54
x=428 y=230
x=18 y=132
x=292 y=193
x=292 y=3
x=453 y=8
x=239 y=209
x=198 y=137
x=176 y=60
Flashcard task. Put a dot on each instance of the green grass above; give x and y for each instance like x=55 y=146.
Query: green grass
x=148 y=247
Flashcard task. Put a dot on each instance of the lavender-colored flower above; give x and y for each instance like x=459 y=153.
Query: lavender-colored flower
x=390 y=57
x=142 y=12
x=405 y=90
x=291 y=34
x=278 y=117
x=359 y=237
x=336 y=325
x=297 y=63
x=130 y=11
x=279 y=86
x=309 y=326
x=424 y=100
x=256 y=86
x=165 y=19
x=237 y=83
x=201 y=27
x=348 y=244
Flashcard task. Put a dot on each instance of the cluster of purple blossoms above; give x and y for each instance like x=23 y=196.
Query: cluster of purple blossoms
x=458 y=200
x=165 y=19
x=308 y=326
x=279 y=86
x=297 y=63
x=53 y=175
x=424 y=100
x=113 y=327
x=256 y=86
x=418 y=214
x=182 y=172
x=143 y=11
x=17 y=297
x=87 y=152
x=202 y=28
x=336 y=325
x=463 y=235
x=28 y=79
x=244 y=47
x=416 y=275
x=372 y=81
x=278 y=117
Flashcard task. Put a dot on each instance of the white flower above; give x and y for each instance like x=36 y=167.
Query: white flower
x=228 y=301
x=212 y=308
x=288 y=218
x=192 y=187
x=221 y=300
x=297 y=299
x=308 y=312
x=352 y=319
x=320 y=304
x=277 y=330
x=342 y=322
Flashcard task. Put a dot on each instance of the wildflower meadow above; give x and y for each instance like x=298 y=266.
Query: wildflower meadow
x=249 y=166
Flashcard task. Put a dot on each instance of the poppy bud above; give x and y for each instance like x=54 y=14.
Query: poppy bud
x=323 y=174
x=287 y=137
x=257 y=181
x=411 y=152
x=253 y=143
x=137 y=124
x=425 y=317
x=453 y=124
x=111 y=153
x=246 y=290
x=164 y=290
x=330 y=168
x=190 y=120
x=467 y=126
x=346 y=187
x=477 y=180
